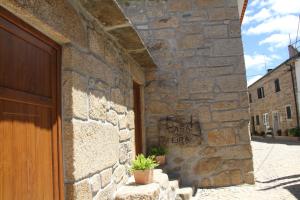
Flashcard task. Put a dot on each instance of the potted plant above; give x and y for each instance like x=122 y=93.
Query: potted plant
x=160 y=154
x=142 y=169
x=295 y=132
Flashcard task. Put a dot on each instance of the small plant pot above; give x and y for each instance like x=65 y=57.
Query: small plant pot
x=143 y=177
x=161 y=160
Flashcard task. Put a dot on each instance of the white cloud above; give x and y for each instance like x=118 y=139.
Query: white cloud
x=278 y=6
x=263 y=14
x=285 y=6
x=276 y=40
x=253 y=3
x=259 y=61
x=256 y=61
x=257 y=3
x=282 y=24
x=251 y=80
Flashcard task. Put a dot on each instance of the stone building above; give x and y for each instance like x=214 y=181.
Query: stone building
x=273 y=99
x=94 y=82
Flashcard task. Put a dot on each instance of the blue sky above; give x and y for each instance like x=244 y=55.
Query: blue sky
x=265 y=31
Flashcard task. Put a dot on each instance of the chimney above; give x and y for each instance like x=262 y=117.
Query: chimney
x=269 y=70
x=292 y=51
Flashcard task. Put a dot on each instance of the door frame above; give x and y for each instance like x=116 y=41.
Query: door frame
x=273 y=121
x=56 y=117
x=137 y=107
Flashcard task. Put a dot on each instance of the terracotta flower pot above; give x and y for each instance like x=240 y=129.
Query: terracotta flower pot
x=161 y=160
x=143 y=176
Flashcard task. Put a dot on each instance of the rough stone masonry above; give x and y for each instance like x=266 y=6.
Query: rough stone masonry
x=97 y=95
x=200 y=78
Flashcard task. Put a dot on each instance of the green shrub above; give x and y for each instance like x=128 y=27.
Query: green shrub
x=143 y=163
x=158 y=151
x=294 y=132
x=286 y=132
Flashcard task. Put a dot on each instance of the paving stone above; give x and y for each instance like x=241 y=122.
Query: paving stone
x=275 y=167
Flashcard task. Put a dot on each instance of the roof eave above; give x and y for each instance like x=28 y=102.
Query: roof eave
x=243 y=10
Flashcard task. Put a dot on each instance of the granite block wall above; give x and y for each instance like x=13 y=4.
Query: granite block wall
x=196 y=99
x=97 y=96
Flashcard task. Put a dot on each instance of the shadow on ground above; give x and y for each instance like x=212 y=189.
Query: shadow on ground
x=294 y=189
x=275 y=141
x=281 y=178
x=282 y=184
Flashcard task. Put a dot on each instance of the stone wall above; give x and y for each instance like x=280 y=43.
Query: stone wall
x=274 y=101
x=97 y=96
x=196 y=99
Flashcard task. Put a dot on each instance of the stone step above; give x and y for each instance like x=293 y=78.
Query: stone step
x=173 y=176
x=161 y=178
x=137 y=192
x=196 y=195
x=184 y=193
x=158 y=171
x=174 y=185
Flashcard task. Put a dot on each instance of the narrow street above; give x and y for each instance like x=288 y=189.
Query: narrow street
x=277 y=173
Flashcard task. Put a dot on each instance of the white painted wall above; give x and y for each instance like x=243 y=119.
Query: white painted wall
x=297 y=70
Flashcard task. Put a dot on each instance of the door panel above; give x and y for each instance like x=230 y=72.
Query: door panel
x=26 y=63
x=30 y=152
x=27 y=151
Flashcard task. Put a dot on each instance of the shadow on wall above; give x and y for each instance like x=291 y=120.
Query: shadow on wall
x=97 y=112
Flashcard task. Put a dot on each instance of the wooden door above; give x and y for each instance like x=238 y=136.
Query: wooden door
x=137 y=118
x=30 y=161
x=275 y=123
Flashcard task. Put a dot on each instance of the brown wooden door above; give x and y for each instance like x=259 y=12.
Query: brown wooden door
x=137 y=118
x=30 y=160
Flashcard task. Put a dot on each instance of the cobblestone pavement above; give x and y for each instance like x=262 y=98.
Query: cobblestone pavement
x=277 y=174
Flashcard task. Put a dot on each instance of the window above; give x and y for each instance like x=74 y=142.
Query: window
x=288 y=112
x=250 y=98
x=266 y=119
x=277 y=85
x=260 y=92
x=257 y=119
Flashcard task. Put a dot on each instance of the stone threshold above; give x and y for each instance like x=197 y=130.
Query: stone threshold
x=161 y=189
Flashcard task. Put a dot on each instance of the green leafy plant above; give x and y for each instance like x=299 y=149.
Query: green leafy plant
x=143 y=163
x=158 y=151
x=294 y=132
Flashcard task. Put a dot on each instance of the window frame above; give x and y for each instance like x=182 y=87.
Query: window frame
x=257 y=120
x=260 y=93
x=266 y=119
x=286 y=112
x=277 y=85
x=250 y=97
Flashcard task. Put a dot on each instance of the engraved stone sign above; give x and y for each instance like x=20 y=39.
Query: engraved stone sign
x=178 y=130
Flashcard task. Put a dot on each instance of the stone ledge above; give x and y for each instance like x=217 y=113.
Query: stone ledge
x=160 y=189
x=138 y=192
